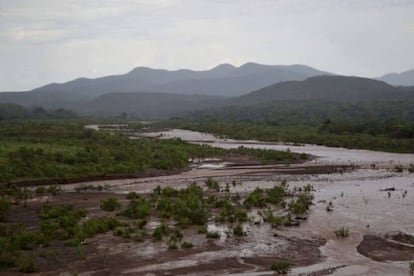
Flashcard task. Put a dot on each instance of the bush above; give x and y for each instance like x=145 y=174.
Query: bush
x=238 y=230
x=212 y=184
x=186 y=244
x=159 y=232
x=26 y=265
x=398 y=168
x=255 y=199
x=411 y=168
x=53 y=189
x=4 y=208
x=301 y=204
x=110 y=204
x=185 y=206
x=41 y=190
x=342 y=232
x=137 y=209
x=213 y=235
x=132 y=195
x=280 y=266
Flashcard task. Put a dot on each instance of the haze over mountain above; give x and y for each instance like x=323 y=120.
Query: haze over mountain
x=405 y=78
x=155 y=93
x=321 y=92
x=331 y=88
x=317 y=99
x=223 y=80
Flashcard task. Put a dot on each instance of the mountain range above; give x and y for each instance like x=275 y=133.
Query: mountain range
x=154 y=93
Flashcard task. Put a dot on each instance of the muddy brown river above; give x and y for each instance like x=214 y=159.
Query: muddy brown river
x=362 y=201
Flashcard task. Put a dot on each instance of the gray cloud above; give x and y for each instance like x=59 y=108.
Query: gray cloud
x=43 y=41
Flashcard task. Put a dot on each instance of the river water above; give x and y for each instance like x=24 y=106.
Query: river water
x=357 y=196
x=328 y=155
x=359 y=201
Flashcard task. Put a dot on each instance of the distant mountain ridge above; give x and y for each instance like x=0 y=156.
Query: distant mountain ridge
x=222 y=80
x=405 y=78
x=158 y=93
x=331 y=88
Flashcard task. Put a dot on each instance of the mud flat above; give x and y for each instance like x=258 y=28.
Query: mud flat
x=371 y=203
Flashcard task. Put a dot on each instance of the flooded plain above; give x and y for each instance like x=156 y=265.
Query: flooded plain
x=364 y=194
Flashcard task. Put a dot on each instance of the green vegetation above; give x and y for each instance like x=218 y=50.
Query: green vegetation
x=110 y=204
x=281 y=267
x=384 y=135
x=175 y=209
x=4 y=208
x=213 y=235
x=64 y=150
x=238 y=230
x=301 y=203
x=138 y=208
x=10 y=111
x=186 y=206
x=261 y=197
x=212 y=184
x=342 y=232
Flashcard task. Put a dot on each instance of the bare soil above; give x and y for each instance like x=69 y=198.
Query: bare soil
x=381 y=250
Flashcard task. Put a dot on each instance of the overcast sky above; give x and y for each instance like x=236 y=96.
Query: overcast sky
x=44 y=41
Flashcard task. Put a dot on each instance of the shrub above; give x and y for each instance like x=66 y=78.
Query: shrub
x=4 y=208
x=94 y=226
x=411 y=168
x=186 y=244
x=159 y=232
x=213 y=235
x=110 y=204
x=172 y=244
x=301 y=204
x=53 y=189
x=255 y=199
x=238 y=230
x=26 y=265
x=132 y=195
x=342 y=232
x=398 y=168
x=185 y=206
x=274 y=220
x=137 y=209
x=280 y=266
x=202 y=230
x=212 y=184
x=40 y=190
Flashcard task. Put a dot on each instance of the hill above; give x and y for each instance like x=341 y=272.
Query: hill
x=317 y=99
x=400 y=79
x=146 y=105
x=329 y=88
